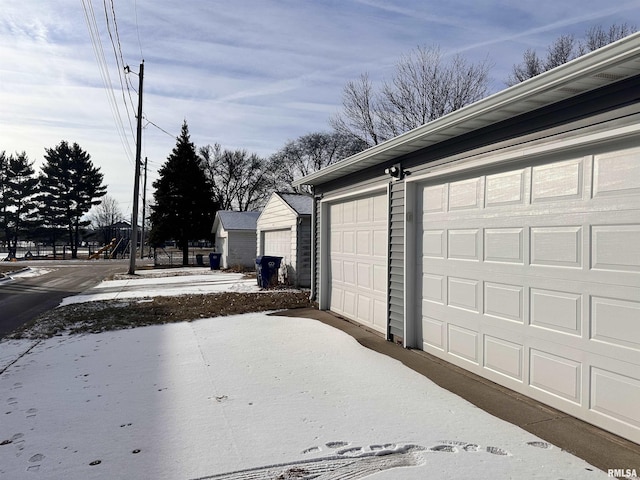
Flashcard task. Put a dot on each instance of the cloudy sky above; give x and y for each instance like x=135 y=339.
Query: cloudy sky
x=249 y=74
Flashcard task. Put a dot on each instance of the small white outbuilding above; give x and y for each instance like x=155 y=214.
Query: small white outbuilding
x=284 y=230
x=235 y=238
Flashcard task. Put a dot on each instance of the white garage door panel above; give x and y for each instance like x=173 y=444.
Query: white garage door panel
x=358 y=259
x=277 y=243
x=531 y=277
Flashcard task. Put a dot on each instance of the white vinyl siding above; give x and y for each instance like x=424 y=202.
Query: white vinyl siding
x=530 y=276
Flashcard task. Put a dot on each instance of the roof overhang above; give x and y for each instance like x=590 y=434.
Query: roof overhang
x=607 y=65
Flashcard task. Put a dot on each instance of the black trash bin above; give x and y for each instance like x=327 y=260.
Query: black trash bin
x=267 y=270
x=214 y=260
x=199 y=260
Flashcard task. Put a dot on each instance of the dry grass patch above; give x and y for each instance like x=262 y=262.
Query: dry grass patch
x=95 y=317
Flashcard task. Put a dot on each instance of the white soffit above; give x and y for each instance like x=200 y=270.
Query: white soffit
x=607 y=65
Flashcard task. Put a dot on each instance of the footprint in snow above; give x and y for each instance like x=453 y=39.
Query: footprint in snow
x=544 y=445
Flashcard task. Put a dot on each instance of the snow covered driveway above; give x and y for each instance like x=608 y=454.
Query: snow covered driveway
x=248 y=397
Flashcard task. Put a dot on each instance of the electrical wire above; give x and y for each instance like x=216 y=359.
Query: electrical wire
x=94 y=35
x=135 y=8
x=117 y=53
x=149 y=122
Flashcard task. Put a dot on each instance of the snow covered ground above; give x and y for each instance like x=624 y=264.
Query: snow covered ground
x=246 y=397
x=149 y=283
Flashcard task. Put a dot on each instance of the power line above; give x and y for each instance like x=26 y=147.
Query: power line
x=135 y=8
x=149 y=122
x=94 y=35
x=117 y=53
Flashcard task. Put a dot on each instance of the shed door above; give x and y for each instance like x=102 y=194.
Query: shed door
x=358 y=260
x=277 y=243
x=531 y=277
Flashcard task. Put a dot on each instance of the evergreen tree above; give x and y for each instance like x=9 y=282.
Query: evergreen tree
x=70 y=186
x=4 y=197
x=20 y=187
x=184 y=207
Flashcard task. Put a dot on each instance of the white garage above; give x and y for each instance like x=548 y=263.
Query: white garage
x=358 y=259
x=510 y=238
x=284 y=230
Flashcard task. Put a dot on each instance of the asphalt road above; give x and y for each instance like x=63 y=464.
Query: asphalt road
x=24 y=297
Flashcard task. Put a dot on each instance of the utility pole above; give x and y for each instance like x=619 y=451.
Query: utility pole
x=136 y=181
x=144 y=204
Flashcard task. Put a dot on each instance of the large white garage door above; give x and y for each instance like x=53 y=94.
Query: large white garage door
x=358 y=260
x=277 y=243
x=531 y=277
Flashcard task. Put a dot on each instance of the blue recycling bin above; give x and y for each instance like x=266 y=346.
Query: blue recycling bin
x=214 y=260
x=267 y=270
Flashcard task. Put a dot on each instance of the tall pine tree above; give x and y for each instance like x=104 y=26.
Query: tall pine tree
x=70 y=186
x=184 y=206
x=20 y=208
x=4 y=197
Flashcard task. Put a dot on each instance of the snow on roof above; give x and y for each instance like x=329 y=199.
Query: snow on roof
x=237 y=220
x=301 y=203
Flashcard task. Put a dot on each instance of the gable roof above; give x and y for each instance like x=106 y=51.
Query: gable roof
x=236 y=220
x=607 y=65
x=301 y=203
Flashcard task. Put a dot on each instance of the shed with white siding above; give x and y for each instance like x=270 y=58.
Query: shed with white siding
x=235 y=238
x=284 y=230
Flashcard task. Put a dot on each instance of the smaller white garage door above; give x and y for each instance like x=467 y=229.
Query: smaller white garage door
x=358 y=260
x=277 y=243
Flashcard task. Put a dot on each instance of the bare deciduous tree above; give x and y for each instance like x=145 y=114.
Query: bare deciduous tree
x=241 y=181
x=597 y=37
x=561 y=51
x=104 y=216
x=426 y=85
x=566 y=48
x=310 y=153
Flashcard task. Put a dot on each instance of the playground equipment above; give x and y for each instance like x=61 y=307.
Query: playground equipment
x=105 y=249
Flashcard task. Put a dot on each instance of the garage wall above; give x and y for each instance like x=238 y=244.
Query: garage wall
x=303 y=265
x=396 y=304
x=221 y=237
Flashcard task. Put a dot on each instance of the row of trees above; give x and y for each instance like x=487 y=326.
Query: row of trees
x=53 y=202
x=566 y=48
x=194 y=183
x=425 y=85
